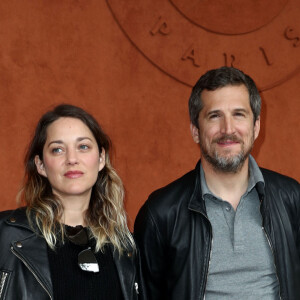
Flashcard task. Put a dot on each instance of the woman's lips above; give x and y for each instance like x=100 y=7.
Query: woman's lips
x=73 y=174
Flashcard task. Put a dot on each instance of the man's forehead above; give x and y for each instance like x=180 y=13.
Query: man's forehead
x=227 y=94
x=241 y=87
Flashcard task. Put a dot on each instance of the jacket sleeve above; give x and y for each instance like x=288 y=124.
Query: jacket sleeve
x=291 y=198
x=152 y=251
x=297 y=201
x=141 y=282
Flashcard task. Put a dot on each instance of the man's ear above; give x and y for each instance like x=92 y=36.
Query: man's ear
x=102 y=159
x=40 y=166
x=256 y=127
x=195 y=133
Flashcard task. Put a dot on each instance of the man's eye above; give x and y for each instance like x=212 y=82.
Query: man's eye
x=213 y=116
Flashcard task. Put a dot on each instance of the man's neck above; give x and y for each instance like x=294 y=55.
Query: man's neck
x=227 y=186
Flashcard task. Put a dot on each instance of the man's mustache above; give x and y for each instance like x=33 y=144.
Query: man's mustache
x=226 y=138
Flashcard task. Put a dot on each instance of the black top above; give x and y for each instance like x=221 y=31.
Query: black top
x=70 y=282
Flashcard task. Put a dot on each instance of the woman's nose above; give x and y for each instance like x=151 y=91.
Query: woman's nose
x=71 y=157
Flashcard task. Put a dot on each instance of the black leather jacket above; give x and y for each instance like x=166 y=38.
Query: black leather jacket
x=24 y=269
x=175 y=236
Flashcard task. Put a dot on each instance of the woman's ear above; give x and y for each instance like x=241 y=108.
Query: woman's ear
x=102 y=159
x=40 y=166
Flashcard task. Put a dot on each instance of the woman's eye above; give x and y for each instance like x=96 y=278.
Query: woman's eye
x=56 y=150
x=84 y=147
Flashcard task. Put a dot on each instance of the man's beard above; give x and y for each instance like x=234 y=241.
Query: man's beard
x=227 y=164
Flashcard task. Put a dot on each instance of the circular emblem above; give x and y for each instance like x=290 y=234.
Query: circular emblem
x=230 y=16
x=186 y=38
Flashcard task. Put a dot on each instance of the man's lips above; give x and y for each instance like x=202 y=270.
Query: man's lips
x=228 y=143
x=230 y=140
x=73 y=174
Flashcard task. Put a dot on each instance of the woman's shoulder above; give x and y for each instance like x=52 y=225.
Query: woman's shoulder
x=12 y=216
x=4 y=215
x=14 y=225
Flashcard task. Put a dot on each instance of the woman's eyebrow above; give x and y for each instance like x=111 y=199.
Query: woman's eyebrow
x=83 y=138
x=55 y=142
x=79 y=139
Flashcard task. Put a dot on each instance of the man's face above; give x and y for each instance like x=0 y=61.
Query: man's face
x=226 y=128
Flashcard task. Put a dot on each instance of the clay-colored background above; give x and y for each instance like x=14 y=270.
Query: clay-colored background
x=75 y=52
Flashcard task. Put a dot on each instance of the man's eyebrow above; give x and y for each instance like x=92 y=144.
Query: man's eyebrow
x=241 y=110
x=214 y=111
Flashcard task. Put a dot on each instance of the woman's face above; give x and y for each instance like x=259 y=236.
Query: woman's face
x=71 y=158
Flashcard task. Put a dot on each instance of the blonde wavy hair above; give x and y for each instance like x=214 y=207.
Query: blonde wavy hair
x=105 y=216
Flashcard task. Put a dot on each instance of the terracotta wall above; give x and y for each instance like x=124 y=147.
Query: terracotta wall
x=132 y=64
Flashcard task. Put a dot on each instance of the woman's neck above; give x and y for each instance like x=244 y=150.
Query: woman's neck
x=74 y=210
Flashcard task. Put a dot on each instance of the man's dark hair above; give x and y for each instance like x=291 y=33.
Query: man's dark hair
x=219 y=78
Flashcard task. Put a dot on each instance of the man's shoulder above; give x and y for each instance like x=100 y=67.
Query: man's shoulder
x=277 y=180
x=175 y=192
x=280 y=188
x=165 y=204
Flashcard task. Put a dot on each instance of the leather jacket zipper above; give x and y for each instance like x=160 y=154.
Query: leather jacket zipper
x=136 y=286
x=271 y=247
x=210 y=249
x=36 y=277
x=2 y=281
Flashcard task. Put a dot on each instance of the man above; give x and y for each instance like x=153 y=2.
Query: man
x=228 y=229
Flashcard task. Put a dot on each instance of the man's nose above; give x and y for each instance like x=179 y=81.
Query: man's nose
x=227 y=126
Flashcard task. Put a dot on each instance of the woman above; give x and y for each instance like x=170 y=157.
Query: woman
x=71 y=240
